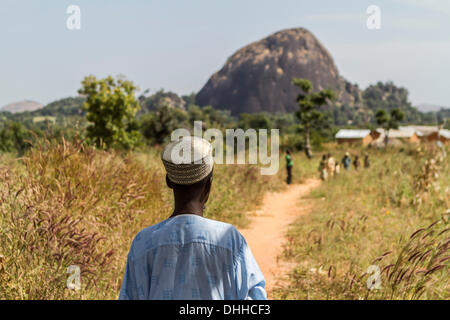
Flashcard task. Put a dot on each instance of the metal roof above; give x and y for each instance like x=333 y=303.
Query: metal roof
x=402 y=132
x=421 y=131
x=352 y=134
x=445 y=133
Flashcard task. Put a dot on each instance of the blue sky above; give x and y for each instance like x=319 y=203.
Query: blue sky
x=177 y=45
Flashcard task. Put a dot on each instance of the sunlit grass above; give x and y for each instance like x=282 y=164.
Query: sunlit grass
x=360 y=216
x=68 y=204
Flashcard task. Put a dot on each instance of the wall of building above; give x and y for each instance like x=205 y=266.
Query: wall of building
x=434 y=137
x=364 y=141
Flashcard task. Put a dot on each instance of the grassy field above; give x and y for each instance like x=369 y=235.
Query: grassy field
x=394 y=216
x=65 y=204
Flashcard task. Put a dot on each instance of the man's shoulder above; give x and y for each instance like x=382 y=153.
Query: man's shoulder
x=186 y=229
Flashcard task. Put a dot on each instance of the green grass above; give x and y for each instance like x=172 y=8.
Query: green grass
x=44 y=118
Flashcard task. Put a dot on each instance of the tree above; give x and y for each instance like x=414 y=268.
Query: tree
x=255 y=121
x=388 y=96
x=389 y=122
x=14 y=137
x=111 y=107
x=308 y=103
x=157 y=126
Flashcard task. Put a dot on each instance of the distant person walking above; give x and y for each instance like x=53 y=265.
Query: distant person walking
x=346 y=161
x=289 y=165
x=356 y=163
x=323 y=168
x=366 y=161
x=331 y=164
x=337 y=169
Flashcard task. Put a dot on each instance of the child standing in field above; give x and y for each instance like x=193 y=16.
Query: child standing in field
x=346 y=161
x=331 y=164
x=356 y=163
x=289 y=165
x=323 y=168
x=366 y=161
x=337 y=169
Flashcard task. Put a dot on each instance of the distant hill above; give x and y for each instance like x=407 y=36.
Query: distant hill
x=388 y=96
x=257 y=78
x=21 y=106
x=59 y=109
x=428 y=107
x=152 y=102
x=70 y=106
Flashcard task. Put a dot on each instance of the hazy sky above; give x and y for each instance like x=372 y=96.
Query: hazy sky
x=177 y=45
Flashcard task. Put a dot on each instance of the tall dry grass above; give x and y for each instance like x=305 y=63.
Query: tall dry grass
x=68 y=204
x=394 y=216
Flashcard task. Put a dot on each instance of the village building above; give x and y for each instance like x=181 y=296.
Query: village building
x=421 y=131
x=430 y=133
x=354 y=136
x=404 y=134
x=395 y=136
x=443 y=135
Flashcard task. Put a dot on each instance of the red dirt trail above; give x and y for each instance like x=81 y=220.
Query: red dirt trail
x=267 y=229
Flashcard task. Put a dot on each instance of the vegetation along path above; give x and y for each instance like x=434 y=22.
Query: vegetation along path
x=266 y=232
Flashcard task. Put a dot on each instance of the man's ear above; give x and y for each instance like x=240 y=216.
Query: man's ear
x=206 y=190
x=168 y=182
x=208 y=185
x=209 y=182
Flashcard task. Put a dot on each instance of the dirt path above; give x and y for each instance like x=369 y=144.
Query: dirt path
x=266 y=232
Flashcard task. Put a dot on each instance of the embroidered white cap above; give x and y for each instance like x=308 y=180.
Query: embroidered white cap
x=188 y=160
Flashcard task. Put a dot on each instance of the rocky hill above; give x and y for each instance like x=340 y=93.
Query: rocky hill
x=258 y=77
x=21 y=106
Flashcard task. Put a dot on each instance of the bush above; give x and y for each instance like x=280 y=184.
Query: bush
x=14 y=137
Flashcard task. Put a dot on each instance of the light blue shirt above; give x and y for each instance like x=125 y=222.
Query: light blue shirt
x=189 y=257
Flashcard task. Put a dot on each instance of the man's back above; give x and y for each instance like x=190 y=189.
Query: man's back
x=191 y=257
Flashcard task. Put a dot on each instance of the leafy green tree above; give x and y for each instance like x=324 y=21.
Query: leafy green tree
x=308 y=113
x=157 y=126
x=14 y=137
x=111 y=107
x=189 y=99
x=389 y=121
x=159 y=99
x=388 y=96
x=255 y=121
x=212 y=118
x=445 y=123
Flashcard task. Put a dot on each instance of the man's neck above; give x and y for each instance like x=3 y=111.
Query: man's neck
x=191 y=207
